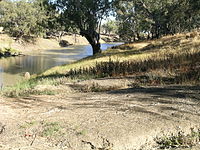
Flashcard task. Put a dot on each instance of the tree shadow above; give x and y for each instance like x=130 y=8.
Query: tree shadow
x=165 y=91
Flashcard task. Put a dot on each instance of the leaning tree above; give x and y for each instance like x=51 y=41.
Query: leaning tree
x=86 y=15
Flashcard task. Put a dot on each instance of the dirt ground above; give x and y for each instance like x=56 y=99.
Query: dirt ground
x=125 y=119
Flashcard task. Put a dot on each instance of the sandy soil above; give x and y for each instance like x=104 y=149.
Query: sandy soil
x=125 y=119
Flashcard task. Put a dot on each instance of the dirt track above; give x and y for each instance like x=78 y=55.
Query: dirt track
x=124 y=119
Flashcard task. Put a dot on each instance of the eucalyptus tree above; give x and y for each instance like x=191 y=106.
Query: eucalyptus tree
x=21 y=18
x=86 y=15
x=54 y=24
x=157 y=17
x=125 y=17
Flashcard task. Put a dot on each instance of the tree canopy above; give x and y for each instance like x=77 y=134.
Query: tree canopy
x=156 y=17
x=86 y=15
x=135 y=19
x=20 y=18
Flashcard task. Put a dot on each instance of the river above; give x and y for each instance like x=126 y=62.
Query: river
x=12 y=69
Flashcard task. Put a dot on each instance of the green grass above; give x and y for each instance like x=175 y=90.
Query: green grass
x=26 y=87
x=20 y=89
x=82 y=132
x=27 y=125
x=51 y=129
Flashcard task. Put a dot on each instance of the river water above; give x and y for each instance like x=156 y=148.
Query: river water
x=12 y=69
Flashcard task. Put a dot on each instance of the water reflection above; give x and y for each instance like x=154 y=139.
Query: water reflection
x=13 y=68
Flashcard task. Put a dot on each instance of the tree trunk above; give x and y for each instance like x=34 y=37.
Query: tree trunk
x=138 y=36
x=96 y=48
x=93 y=38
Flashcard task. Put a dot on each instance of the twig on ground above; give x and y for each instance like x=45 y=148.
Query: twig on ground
x=2 y=129
x=33 y=139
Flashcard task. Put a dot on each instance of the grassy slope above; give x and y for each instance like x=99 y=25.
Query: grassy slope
x=181 y=52
x=171 y=60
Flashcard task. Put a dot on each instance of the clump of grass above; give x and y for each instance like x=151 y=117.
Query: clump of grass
x=180 y=140
x=51 y=129
x=28 y=124
x=20 y=89
x=26 y=87
x=81 y=132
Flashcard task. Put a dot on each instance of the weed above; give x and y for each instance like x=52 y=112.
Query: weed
x=28 y=124
x=26 y=87
x=180 y=140
x=44 y=92
x=20 y=89
x=51 y=129
x=82 y=132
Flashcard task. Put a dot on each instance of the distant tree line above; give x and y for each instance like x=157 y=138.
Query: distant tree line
x=154 y=18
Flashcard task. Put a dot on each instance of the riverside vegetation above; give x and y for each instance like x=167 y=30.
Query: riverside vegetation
x=7 y=52
x=119 y=99
x=170 y=60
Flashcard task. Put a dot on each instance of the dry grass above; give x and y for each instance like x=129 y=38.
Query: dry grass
x=179 y=140
x=178 y=69
x=171 y=59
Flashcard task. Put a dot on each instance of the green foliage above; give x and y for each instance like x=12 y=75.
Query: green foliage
x=54 y=24
x=155 y=18
x=110 y=27
x=20 y=89
x=51 y=129
x=6 y=52
x=82 y=132
x=86 y=15
x=27 y=125
x=22 y=18
x=25 y=88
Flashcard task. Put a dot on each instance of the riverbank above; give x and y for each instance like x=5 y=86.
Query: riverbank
x=41 y=43
x=130 y=97
x=9 y=52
